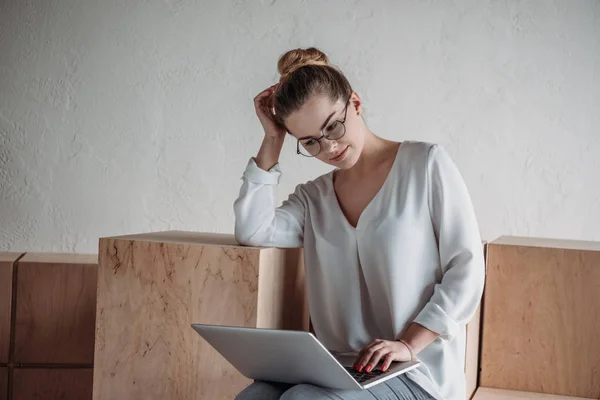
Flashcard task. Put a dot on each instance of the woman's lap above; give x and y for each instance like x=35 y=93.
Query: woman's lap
x=399 y=388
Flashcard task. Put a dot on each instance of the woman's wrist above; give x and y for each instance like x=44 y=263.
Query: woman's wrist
x=268 y=154
x=411 y=351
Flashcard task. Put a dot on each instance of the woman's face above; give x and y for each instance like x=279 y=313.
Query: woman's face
x=320 y=115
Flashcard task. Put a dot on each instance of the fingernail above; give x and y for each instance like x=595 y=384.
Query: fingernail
x=383 y=369
x=360 y=368
x=368 y=368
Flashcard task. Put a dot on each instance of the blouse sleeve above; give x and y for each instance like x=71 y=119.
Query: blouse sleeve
x=456 y=298
x=258 y=222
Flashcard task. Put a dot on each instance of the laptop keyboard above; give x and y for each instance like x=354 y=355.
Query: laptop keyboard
x=361 y=377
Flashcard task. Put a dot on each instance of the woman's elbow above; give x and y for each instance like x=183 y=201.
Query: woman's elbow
x=246 y=237
x=242 y=236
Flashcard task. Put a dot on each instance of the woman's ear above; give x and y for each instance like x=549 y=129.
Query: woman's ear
x=356 y=103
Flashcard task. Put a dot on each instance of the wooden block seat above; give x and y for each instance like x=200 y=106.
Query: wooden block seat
x=501 y=394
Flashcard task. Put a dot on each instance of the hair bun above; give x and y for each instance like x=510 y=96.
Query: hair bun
x=297 y=58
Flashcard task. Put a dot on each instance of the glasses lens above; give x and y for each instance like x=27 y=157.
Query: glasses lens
x=335 y=130
x=310 y=147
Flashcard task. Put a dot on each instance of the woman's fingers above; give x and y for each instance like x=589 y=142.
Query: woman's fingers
x=367 y=353
x=265 y=93
x=387 y=361
x=265 y=100
x=360 y=355
x=262 y=97
x=376 y=356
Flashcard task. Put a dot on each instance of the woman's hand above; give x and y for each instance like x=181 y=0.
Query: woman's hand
x=263 y=104
x=379 y=349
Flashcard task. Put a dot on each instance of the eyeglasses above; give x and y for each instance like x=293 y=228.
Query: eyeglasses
x=310 y=147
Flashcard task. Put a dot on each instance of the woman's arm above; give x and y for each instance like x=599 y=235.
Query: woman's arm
x=269 y=152
x=456 y=298
x=258 y=221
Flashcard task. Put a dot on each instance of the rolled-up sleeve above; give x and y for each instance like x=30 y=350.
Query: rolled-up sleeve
x=456 y=298
x=258 y=221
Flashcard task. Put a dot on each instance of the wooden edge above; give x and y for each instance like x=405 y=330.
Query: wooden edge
x=473 y=342
x=281 y=302
x=10 y=257
x=486 y=245
x=472 y=350
x=502 y=394
x=566 y=244
x=184 y=237
x=59 y=258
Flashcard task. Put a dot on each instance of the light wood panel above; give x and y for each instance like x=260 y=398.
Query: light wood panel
x=6 y=281
x=500 y=394
x=3 y=383
x=55 y=309
x=150 y=292
x=61 y=258
x=547 y=243
x=473 y=332
x=541 y=319
x=472 y=354
x=52 y=384
x=202 y=238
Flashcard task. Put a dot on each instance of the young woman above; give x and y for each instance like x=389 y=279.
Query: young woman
x=393 y=256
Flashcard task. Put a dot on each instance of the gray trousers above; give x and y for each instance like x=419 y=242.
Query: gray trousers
x=398 y=388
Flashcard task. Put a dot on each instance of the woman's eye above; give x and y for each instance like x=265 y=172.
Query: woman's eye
x=332 y=127
x=310 y=142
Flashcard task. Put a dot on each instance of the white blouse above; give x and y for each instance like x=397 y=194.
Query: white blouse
x=414 y=256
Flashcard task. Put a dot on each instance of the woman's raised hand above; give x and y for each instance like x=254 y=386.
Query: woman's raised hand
x=263 y=104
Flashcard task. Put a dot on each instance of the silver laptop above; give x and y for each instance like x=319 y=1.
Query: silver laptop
x=292 y=357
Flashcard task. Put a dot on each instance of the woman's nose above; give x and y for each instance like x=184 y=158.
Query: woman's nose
x=328 y=146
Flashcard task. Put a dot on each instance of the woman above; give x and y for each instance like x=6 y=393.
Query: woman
x=394 y=262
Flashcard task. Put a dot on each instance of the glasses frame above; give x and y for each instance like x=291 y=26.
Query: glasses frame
x=323 y=135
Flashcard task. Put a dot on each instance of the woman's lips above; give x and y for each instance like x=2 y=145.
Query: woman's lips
x=340 y=156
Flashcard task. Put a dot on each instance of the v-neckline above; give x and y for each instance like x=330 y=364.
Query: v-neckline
x=381 y=189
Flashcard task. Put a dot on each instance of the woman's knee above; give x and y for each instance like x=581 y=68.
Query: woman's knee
x=306 y=392
x=261 y=390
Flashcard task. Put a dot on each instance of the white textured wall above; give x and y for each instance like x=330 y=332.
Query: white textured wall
x=132 y=116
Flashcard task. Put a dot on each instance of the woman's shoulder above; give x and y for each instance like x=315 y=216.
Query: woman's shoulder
x=416 y=154
x=417 y=148
x=315 y=189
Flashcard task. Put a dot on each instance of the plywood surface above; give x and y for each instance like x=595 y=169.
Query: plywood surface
x=500 y=394
x=472 y=353
x=149 y=294
x=184 y=237
x=55 y=311
x=285 y=304
x=547 y=243
x=9 y=256
x=52 y=384
x=6 y=282
x=541 y=321
x=60 y=258
x=3 y=383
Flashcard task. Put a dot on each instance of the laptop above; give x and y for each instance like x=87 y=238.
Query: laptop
x=292 y=357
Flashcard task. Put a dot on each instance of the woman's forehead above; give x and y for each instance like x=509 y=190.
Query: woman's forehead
x=307 y=120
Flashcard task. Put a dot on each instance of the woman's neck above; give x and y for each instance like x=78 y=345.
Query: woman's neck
x=374 y=148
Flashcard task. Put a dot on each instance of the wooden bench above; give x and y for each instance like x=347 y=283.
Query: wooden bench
x=540 y=320
x=47 y=323
x=152 y=287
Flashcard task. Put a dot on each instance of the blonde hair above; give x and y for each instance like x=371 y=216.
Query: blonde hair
x=305 y=73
